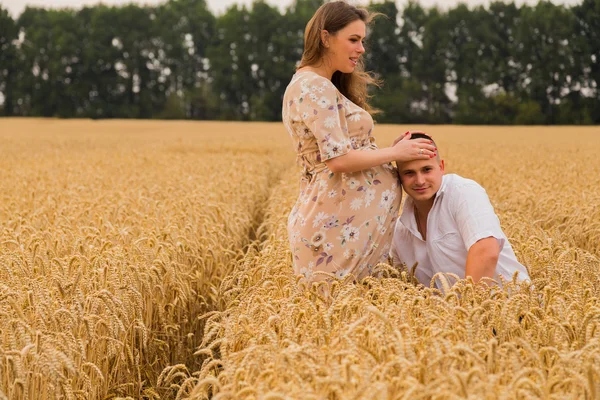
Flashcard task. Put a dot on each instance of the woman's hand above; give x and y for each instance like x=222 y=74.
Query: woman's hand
x=403 y=150
x=402 y=136
x=409 y=150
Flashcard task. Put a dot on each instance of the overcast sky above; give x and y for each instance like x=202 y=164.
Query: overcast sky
x=15 y=7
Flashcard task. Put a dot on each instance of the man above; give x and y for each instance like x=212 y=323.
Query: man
x=449 y=225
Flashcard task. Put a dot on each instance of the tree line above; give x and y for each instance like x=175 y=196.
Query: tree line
x=499 y=64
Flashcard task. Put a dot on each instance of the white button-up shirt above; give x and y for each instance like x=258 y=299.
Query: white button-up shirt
x=461 y=215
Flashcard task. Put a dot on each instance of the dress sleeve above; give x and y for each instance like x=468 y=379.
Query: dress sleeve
x=324 y=115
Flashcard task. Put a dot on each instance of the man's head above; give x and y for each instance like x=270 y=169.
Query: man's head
x=421 y=179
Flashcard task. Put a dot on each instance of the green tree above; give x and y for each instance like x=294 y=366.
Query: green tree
x=48 y=54
x=401 y=98
x=270 y=68
x=185 y=29
x=8 y=61
x=587 y=46
x=465 y=45
x=383 y=45
x=230 y=66
x=499 y=61
x=546 y=37
x=384 y=57
x=497 y=65
x=431 y=70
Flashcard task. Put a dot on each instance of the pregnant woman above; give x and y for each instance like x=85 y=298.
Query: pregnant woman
x=343 y=220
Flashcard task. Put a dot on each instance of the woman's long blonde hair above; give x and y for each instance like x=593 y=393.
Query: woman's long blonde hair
x=332 y=17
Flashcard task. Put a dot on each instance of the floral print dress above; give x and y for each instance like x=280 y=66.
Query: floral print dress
x=342 y=223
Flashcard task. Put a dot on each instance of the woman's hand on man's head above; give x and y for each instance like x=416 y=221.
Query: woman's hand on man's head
x=406 y=135
x=409 y=150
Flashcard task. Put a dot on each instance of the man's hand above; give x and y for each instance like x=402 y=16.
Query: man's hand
x=482 y=259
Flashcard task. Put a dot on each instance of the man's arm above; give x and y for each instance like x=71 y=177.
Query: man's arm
x=482 y=259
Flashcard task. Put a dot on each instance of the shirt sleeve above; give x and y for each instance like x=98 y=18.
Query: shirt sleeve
x=475 y=216
x=394 y=254
x=324 y=116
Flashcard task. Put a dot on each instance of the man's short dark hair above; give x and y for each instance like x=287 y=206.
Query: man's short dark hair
x=420 y=136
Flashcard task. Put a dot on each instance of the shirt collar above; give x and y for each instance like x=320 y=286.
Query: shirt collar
x=408 y=217
x=443 y=186
x=408 y=211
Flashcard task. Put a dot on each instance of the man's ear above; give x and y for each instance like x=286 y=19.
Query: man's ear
x=325 y=38
x=442 y=166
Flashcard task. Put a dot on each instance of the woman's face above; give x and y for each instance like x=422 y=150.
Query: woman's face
x=346 y=47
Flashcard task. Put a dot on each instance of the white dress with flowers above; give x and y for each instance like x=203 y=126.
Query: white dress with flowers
x=342 y=223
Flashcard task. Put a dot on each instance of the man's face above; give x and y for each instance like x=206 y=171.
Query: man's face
x=421 y=179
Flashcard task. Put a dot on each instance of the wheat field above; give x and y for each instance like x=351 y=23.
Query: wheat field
x=149 y=260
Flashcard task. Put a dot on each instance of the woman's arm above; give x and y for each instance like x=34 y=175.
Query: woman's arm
x=403 y=150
